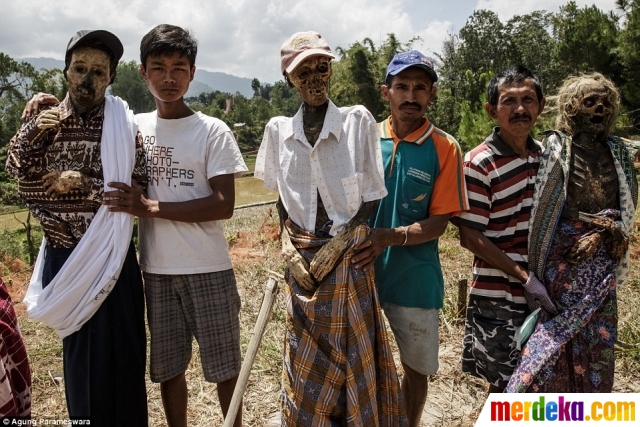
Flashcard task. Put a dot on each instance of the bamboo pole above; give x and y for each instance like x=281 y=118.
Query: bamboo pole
x=252 y=350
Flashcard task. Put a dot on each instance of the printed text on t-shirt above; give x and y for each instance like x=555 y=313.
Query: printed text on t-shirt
x=162 y=168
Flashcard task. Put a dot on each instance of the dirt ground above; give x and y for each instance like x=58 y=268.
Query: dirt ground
x=455 y=399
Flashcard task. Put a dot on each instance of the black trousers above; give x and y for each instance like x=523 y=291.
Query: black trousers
x=105 y=361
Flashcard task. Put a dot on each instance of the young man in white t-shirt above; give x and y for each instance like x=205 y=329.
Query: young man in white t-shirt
x=192 y=160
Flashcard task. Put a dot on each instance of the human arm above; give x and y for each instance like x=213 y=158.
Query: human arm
x=36 y=102
x=477 y=243
x=473 y=240
x=133 y=200
x=379 y=239
x=447 y=199
x=28 y=147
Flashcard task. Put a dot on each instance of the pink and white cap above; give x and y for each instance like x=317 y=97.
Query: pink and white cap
x=300 y=46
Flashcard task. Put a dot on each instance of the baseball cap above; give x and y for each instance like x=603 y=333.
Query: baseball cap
x=108 y=39
x=300 y=46
x=413 y=58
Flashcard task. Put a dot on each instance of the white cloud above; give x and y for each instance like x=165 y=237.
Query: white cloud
x=242 y=37
x=432 y=36
x=505 y=8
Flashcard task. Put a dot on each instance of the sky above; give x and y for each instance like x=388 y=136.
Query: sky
x=243 y=37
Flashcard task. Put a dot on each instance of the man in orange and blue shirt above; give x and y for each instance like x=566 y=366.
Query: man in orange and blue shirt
x=425 y=183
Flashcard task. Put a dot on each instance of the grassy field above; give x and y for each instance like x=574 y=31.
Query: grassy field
x=13 y=220
x=454 y=398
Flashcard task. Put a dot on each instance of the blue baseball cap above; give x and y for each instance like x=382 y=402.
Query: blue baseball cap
x=413 y=58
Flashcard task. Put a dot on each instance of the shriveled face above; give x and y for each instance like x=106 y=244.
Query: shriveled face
x=594 y=110
x=88 y=76
x=311 y=79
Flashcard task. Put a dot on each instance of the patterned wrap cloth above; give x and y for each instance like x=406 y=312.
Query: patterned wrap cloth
x=573 y=351
x=15 y=375
x=338 y=365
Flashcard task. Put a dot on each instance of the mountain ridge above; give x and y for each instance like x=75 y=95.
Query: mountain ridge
x=204 y=81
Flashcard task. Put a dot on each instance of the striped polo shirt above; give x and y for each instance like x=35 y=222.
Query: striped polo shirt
x=500 y=187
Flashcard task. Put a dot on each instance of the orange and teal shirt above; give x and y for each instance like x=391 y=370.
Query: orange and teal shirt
x=424 y=176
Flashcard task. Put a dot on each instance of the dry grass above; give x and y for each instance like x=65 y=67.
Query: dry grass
x=455 y=399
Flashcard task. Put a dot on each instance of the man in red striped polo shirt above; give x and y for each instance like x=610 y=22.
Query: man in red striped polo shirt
x=500 y=175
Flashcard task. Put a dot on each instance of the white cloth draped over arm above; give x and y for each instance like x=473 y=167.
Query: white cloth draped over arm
x=92 y=269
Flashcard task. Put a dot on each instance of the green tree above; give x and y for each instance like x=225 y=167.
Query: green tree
x=354 y=80
x=629 y=48
x=18 y=82
x=360 y=71
x=285 y=100
x=483 y=46
x=475 y=123
x=532 y=45
x=255 y=87
x=587 y=41
x=130 y=87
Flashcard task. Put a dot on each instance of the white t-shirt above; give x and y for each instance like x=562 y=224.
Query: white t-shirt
x=182 y=155
x=344 y=165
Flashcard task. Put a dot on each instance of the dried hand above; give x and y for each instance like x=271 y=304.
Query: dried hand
x=584 y=248
x=617 y=248
x=58 y=183
x=48 y=119
x=617 y=240
x=326 y=259
x=298 y=266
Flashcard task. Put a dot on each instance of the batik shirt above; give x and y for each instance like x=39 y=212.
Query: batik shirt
x=33 y=153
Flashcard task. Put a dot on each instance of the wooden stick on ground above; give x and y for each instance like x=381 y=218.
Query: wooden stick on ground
x=252 y=351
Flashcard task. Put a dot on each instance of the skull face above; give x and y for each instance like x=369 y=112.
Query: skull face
x=88 y=76
x=595 y=111
x=311 y=79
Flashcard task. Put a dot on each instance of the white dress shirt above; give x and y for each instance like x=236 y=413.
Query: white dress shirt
x=344 y=165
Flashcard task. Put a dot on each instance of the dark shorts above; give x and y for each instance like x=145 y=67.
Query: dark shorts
x=180 y=307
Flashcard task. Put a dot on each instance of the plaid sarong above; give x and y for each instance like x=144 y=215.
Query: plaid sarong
x=338 y=365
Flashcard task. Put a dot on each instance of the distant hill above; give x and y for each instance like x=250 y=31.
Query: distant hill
x=204 y=81
x=224 y=82
x=46 y=63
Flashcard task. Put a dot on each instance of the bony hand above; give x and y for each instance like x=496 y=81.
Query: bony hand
x=539 y=293
x=326 y=259
x=298 y=266
x=58 y=183
x=584 y=248
x=617 y=240
x=48 y=119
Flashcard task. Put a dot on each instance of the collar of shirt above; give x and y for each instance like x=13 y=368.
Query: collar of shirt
x=417 y=137
x=67 y=110
x=332 y=124
x=500 y=147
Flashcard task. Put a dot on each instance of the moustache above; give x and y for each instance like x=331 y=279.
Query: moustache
x=520 y=117
x=410 y=104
